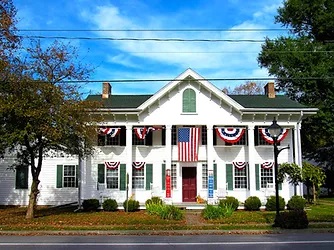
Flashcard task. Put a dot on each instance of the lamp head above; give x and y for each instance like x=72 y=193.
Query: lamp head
x=274 y=129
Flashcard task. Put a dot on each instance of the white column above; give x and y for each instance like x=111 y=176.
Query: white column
x=298 y=153
x=251 y=160
x=168 y=148
x=129 y=156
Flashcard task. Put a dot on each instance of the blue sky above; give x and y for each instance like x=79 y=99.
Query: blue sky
x=157 y=60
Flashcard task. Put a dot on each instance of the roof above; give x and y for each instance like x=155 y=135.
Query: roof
x=120 y=101
x=247 y=101
x=262 y=101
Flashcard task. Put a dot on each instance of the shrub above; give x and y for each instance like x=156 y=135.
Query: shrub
x=211 y=212
x=252 y=203
x=110 y=205
x=229 y=201
x=296 y=203
x=154 y=200
x=90 y=205
x=271 y=203
x=293 y=219
x=155 y=209
x=131 y=205
x=170 y=212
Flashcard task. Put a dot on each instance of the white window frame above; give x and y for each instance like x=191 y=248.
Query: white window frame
x=241 y=178
x=138 y=178
x=205 y=176
x=266 y=176
x=113 y=176
x=67 y=176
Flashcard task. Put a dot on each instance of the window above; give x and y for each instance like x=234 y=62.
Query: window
x=138 y=178
x=266 y=176
x=204 y=135
x=174 y=135
x=259 y=140
x=148 y=141
x=189 y=101
x=174 y=176
x=67 y=176
x=240 y=177
x=112 y=178
x=21 y=177
x=107 y=140
x=205 y=176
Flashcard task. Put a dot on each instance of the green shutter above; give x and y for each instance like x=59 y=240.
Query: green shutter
x=59 y=176
x=163 y=176
x=257 y=176
x=100 y=173
x=21 y=177
x=189 y=101
x=248 y=179
x=122 y=174
x=76 y=175
x=229 y=176
x=149 y=176
x=279 y=186
x=215 y=176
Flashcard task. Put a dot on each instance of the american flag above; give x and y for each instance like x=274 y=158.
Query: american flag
x=188 y=144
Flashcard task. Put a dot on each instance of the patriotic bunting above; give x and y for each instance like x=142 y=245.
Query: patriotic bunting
x=138 y=165
x=230 y=134
x=239 y=165
x=141 y=132
x=109 y=131
x=112 y=164
x=267 y=165
x=266 y=135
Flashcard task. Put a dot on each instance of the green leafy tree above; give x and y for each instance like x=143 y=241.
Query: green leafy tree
x=313 y=177
x=303 y=63
x=291 y=171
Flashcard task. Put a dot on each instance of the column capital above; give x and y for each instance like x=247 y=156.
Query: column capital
x=209 y=127
x=128 y=127
x=168 y=127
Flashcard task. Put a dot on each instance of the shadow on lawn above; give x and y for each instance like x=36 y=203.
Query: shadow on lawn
x=49 y=211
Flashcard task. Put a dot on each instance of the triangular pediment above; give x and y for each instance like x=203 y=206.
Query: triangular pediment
x=190 y=77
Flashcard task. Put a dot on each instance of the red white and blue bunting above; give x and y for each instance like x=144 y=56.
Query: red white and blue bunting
x=112 y=164
x=267 y=165
x=141 y=132
x=230 y=134
x=138 y=165
x=239 y=165
x=109 y=131
x=266 y=135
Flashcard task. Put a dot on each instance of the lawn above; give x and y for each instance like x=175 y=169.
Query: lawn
x=13 y=218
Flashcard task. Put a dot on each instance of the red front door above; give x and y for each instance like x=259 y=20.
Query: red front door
x=189 y=190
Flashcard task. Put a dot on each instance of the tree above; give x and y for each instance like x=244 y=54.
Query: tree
x=291 y=171
x=42 y=114
x=303 y=63
x=313 y=177
x=248 y=88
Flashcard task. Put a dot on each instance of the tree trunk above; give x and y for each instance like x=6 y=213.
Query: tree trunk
x=32 y=200
x=314 y=194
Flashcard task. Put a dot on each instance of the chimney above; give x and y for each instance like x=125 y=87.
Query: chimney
x=269 y=90
x=106 y=90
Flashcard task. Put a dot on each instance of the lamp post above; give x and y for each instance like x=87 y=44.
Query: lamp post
x=275 y=131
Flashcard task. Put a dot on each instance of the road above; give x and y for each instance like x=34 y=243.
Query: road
x=296 y=241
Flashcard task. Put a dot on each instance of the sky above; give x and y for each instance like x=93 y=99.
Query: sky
x=121 y=59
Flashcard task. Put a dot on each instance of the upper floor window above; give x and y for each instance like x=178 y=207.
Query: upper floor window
x=189 y=101
x=112 y=139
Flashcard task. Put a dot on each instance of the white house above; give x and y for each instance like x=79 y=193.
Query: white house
x=189 y=139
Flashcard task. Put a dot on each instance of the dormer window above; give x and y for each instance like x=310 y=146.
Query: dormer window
x=189 y=101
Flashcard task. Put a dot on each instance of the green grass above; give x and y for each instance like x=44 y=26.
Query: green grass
x=51 y=219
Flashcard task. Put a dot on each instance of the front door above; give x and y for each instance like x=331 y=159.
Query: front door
x=189 y=184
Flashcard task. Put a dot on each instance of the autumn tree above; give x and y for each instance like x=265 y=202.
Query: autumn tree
x=303 y=63
x=41 y=113
x=248 y=88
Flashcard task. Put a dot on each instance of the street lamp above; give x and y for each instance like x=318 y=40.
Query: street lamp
x=275 y=131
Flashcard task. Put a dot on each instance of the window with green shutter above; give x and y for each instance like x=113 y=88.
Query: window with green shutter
x=21 y=177
x=257 y=176
x=163 y=176
x=67 y=176
x=189 y=101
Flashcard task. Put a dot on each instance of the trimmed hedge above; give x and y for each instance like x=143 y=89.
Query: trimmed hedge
x=271 y=203
x=110 y=205
x=252 y=203
x=131 y=205
x=229 y=200
x=90 y=205
x=296 y=203
x=293 y=219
